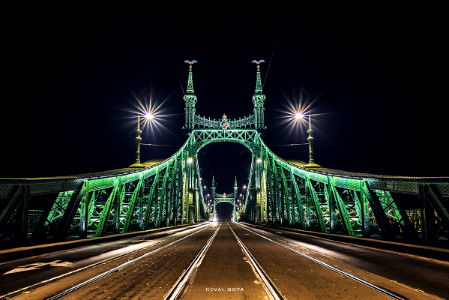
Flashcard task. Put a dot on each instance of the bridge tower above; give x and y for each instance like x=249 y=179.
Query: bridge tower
x=190 y=99
x=258 y=100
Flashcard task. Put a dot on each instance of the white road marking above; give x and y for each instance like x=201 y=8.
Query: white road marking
x=36 y=266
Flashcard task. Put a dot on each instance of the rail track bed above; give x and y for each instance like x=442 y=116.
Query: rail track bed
x=222 y=261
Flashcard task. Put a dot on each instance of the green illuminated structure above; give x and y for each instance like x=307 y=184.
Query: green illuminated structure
x=224 y=198
x=168 y=192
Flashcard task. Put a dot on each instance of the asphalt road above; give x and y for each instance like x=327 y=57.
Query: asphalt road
x=27 y=272
x=428 y=275
x=225 y=271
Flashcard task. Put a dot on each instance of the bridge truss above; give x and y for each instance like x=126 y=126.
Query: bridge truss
x=168 y=192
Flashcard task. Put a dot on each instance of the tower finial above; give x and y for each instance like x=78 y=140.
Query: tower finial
x=190 y=82
x=258 y=81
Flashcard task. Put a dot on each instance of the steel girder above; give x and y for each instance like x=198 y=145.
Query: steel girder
x=278 y=191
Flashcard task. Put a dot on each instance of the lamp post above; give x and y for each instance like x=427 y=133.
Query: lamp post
x=137 y=163
x=310 y=139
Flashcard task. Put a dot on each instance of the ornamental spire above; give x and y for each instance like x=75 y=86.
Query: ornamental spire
x=258 y=80
x=190 y=100
x=235 y=181
x=258 y=100
x=190 y=82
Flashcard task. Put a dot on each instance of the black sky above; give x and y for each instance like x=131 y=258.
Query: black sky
x=378 y=72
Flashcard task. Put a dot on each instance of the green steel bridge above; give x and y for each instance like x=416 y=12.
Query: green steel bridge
x=167 y=192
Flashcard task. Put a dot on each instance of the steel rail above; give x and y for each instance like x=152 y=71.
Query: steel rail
x=84 y=283
x=270 y=286
x=177 y=288
x=350 y=276
x=47 y=281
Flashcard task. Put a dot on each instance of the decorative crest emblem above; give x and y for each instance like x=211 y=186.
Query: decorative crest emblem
x=190 y=62
x=258 y=62
x=224 y=123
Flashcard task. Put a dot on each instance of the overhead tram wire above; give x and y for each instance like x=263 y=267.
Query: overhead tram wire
x=160 y=145
x=274 y=48
x=288 y=145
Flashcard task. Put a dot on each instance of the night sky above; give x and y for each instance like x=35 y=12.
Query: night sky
x=374 y=73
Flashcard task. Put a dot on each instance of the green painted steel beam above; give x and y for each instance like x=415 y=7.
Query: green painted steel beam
x=341 y=208
x=312 y=200
x=132 y=204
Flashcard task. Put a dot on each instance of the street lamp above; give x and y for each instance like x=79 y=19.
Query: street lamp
x=310 y=139
x=137 y=163
x=299 y=116
x=189 y=160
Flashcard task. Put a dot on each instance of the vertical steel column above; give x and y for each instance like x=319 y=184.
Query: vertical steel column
x=39 y=231
x=297 y=195
x=132 y=204
x=432 y=195
x=22 y=217
x=140 y=215
x=311 y=196
x=427 y=215
x=7 y=212
x=341 y=207
x=384 y=224
x=69 y=213
x=107 y=208
x=286 y=195
x=331 y=206
x=173 y=192
x=84 y=213
x=162 y=196
x=366 y=232
x=153 y=193
x=117 y=205
x=276 y=192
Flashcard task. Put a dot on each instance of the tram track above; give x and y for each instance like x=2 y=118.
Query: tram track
x=179 y=287
x=183 y=271
x=269 y=286
x=379 y=289
x=120 y=267
x=114 y=259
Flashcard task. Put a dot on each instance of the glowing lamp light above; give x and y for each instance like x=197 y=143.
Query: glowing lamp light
x=204 y=186
x=244 y=186
x=149 y=116
x=189 y=160
x=259 y=160
x=299 y=116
